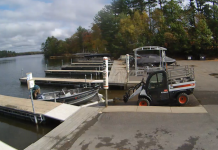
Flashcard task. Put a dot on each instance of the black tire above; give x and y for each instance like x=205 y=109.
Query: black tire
x=182 y=99
x=143 y=102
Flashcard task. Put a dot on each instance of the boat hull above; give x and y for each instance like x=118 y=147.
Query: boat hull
x=74 y=99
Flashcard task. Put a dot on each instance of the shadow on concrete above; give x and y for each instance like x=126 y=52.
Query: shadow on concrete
x=193 y=102
x=207 y=98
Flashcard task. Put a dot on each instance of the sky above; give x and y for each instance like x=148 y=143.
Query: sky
x=26 y=24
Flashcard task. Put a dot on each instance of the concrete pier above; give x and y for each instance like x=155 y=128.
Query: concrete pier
x=22 y=108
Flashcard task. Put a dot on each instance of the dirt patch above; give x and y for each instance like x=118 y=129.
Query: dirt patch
x=214 y=74
x=192 y=65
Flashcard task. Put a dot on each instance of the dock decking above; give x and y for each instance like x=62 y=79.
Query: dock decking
x=69 y=72
x=22 y=107
x=90 y=63
x=118 y=74
x=61 y=81
x=83 y=67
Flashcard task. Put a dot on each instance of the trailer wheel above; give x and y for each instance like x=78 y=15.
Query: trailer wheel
x=143 y=102
x=182 y=99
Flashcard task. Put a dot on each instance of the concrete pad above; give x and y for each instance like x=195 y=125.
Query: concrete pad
x=62 y=112
x=198 y=109
x=156 y=109
x=4 y=146
x=120 y=109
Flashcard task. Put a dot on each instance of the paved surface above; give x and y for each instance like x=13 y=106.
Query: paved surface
x=168 y=131
x=66 y=133
x=139 y=131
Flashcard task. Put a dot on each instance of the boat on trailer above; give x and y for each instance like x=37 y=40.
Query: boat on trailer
x=70 y=96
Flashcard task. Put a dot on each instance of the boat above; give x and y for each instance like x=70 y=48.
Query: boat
x=151 y=60
x=70 y=96
x=94 y=58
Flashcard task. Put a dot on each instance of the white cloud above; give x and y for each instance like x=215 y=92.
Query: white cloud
x=25 y=24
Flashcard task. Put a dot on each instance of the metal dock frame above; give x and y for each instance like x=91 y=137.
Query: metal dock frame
x=149 y=48
x=21 y=114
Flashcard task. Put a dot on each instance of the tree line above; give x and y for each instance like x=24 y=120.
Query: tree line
x=5 y=53
x=182 y=26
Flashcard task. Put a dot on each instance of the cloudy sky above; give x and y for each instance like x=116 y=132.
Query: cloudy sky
x=25 y=24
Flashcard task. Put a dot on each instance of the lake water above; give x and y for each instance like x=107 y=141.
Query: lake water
x=19 y=133
x=15 y=132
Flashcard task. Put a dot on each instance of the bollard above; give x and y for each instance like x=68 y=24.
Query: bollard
x=96 y=75
x=62 y=62
x=46 y=67
x=71 y=61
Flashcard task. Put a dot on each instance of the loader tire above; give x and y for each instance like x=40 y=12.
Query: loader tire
x=143 y=102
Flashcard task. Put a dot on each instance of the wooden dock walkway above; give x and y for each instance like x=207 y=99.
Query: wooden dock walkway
x=83 y=67
x=69 y=72
x=22 y=107
x=118 y=74
x=87 y=63
x=61 y=81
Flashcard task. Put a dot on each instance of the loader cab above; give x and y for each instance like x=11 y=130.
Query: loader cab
x=157 y=87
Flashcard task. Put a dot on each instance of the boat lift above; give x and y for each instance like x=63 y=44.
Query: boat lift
x=149 y=48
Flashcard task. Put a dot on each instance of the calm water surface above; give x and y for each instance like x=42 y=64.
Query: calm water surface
x=15 y=132
x=20 y=133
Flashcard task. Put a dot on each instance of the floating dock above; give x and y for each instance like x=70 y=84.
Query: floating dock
x=83 y=67
x=22 y=108
x=61 y=81
x=71 y=72
x=87 y=63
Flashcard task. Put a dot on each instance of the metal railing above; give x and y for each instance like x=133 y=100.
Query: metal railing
x=180 y=73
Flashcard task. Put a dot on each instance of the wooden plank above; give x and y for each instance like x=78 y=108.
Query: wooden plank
x=72 y=71
x=90 y=63
x=41 y=107
x=23 y=80
x=118 y=74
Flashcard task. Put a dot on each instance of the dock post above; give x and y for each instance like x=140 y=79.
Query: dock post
x=127 y=67
x=33 y=106
x=105 y=78
x=54 y=97
x=85 y=81
x=22 y=72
